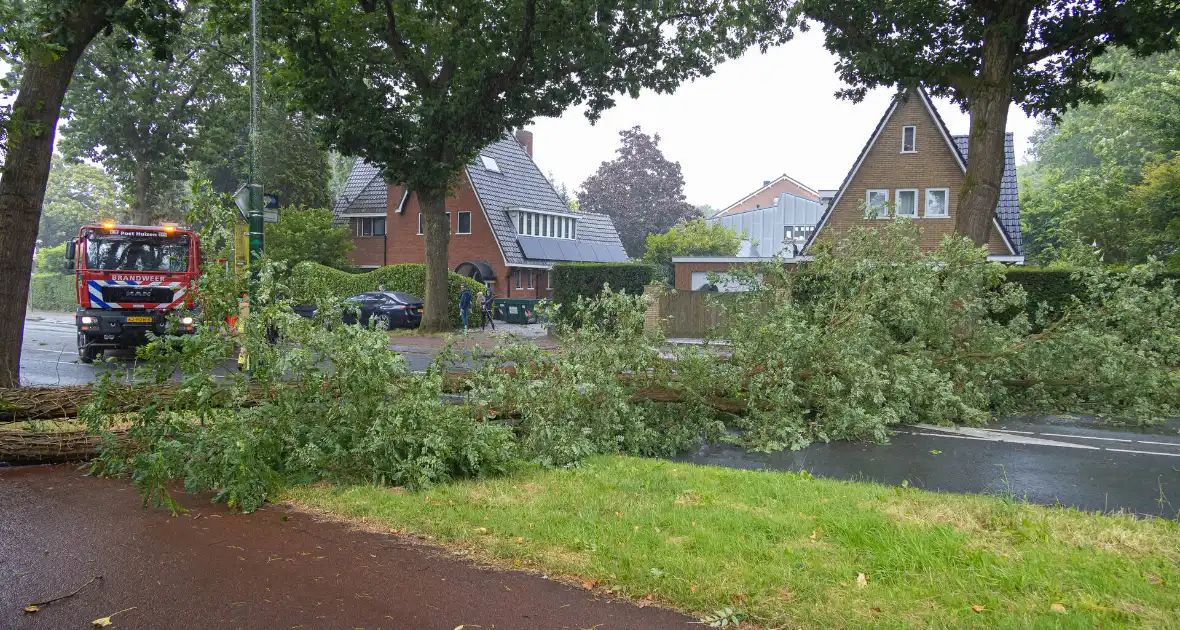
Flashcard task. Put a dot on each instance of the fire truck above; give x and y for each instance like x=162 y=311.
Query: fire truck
x=130 y=278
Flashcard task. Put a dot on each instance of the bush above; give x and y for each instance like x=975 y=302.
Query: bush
x=311 y=282
x=1055 y=289
x=690 y=238
x=53 y=292
x=51 y=259
x=308 y=234
x=575 y=280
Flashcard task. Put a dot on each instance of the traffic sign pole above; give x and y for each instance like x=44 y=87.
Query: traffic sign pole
x=254 y=214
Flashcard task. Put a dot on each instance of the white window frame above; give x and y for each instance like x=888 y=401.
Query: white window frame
x=946 y=203
x=530 y=279
x=459 y=222
x=490 y=163
x=869 y=203
x=914 y=148
x=897 y=203
x=419 y=224
x=360 y=227
x=549 y=279
x=519 y=280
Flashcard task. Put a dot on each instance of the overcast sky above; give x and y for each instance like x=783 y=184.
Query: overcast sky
x=756 y=118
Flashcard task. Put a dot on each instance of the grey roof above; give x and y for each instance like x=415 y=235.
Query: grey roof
x=1007 y=209
x=521 y=185
x=365 y=192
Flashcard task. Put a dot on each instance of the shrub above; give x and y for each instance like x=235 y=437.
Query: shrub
x=690 y=238
x=51 y=259
x=308 y=234
x=53 y=292
x=311 y=282
x=1054 y=289
x=575 y=280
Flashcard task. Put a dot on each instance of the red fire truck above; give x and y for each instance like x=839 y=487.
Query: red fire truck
x=129 y=278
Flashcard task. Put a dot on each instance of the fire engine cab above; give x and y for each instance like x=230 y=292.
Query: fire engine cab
x=129 y=279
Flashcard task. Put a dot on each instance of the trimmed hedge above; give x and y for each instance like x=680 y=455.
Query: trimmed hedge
x=53 y=292
x=310 y=280
x=1053 y=286
x=586 y=279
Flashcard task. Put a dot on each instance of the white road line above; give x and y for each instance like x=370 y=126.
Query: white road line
x=1172 y=444
x=1123 y=450
x=1013 y=431
x=957 y=437
x=1085 y=437
x=994 y=436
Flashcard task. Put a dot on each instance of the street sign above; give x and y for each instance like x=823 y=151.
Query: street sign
x=270 y=201
x=270 y=216
x=242 y=200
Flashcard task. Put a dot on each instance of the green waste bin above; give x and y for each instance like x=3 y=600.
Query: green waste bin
x=516 y=310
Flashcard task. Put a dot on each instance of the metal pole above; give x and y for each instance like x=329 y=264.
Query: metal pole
x=255 y=213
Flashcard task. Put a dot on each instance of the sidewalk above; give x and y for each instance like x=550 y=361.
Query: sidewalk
x=276 y=568
x=413 y=342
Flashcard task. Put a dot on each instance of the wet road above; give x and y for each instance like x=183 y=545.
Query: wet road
x=1046 y=461
x=211 y=569
x=49 y=355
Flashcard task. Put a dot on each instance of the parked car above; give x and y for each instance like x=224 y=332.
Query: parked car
x=383 y=309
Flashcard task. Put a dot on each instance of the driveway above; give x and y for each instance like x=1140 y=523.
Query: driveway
x=1048 y=461
x=275 y=568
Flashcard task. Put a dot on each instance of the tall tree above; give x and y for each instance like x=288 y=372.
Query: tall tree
x=641 y=190
x=135 y=113
x=419 y=88
x=77 y=193
x=308 y=234
x=43 y=40
x=985 y=55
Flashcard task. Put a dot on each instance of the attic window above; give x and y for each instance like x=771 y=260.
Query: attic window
x=909 y=139
x=490 y=163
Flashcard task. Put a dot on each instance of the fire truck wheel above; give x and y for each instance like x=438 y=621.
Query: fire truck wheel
x=88 y=355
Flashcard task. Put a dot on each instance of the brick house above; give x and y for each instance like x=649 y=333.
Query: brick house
x=912 y=162
x=769 y=193
x=508 y=225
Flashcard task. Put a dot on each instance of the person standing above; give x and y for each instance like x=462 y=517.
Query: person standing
x=487 y=309
x=465 y=305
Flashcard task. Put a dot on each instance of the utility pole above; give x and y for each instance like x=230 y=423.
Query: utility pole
x=254 y=216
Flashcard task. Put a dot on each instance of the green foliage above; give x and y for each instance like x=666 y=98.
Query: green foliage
x=641 y=191
x=53 y=292
x=574 y=280
x=308 y=234
x=1106 y=175
x=691 y=238
x=51 y=259
x=311 y=282
x=77 y=194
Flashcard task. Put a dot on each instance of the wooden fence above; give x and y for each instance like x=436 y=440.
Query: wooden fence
x=687 y=313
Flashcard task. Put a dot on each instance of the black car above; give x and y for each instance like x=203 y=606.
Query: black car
x=383 y=309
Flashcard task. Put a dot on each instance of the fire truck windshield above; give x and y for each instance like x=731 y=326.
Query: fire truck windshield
x=116 y=252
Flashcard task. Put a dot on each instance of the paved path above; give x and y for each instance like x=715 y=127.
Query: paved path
x=1046 y=461
x=213 y=569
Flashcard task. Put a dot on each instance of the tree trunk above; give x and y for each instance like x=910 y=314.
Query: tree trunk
x=437 y=232
x=988 y=104
x=35 y=112
x=141 y=214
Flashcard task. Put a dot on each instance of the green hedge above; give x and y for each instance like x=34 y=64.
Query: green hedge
x=1052 y=286
x=574 y=279
x=310 y=281
x=53 y=292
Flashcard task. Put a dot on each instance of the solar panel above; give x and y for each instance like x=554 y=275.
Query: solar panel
x=569 y=250
x=530 y=247
x=551 y=247
x=618 y=254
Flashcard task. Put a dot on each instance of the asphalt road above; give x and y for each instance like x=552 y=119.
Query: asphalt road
x=275 y=568
x=1045 y=461
x=49 y=355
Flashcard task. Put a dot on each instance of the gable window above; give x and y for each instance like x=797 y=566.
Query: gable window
x=907 y=203
x=909 y=139
x=464 y=223
x=370 y=226
x=490 y=163
x=875 y=201
x=937 y=202
x=530 y=223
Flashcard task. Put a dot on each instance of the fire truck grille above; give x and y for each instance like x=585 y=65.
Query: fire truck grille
x=136 y=295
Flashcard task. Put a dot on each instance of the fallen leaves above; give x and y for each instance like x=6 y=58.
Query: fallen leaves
x=861 y=580
x=1154 y=580
x=977 y=608
x=103 y=622
x=1058 y=608
x=589 y=584
x=519 y=540
x=30 y=609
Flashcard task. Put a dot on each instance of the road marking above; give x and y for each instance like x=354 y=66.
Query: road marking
x=1123 y=450
x=958 y=437
x=1085 y=437
x=1013 y=431
x=995 y=436
x=62 y=351
x=1172 y=444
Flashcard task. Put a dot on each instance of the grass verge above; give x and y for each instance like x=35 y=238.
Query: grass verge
x=785 y=550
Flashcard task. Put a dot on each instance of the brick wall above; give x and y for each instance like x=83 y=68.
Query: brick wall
x=885 y=166
x=368 y=249
x=769 y=196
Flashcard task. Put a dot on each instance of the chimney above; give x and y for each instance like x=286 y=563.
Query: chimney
x=765 y=182
x=525 y=138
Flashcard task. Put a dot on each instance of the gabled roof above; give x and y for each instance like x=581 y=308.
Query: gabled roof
x=521 y=185
x=1007 y=217
x=771 y=184
x=365 y=192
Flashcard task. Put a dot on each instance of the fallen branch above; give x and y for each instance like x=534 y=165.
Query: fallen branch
x=34 y=607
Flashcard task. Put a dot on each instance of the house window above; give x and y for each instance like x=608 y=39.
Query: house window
x=364 y=228
x=464 y=223
x=419 y=224
x=448 y=223
x=567 y=223
x=875 y=202
x=530 y=278
x=370 y=226
x=546 y=225
x=519 y=273
x=936 y=202
x=909 y=139
x=907 y=203
x=549 y=279
x=520 y=223
x=490 y=164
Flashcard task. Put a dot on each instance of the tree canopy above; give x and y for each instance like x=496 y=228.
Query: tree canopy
x=697 y=237
x=308 y=234
x=77 y=193
x=641 y=190
x=418 y=89
x=984 y=56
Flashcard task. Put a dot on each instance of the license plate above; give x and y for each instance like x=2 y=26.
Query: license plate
x=139 y=319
